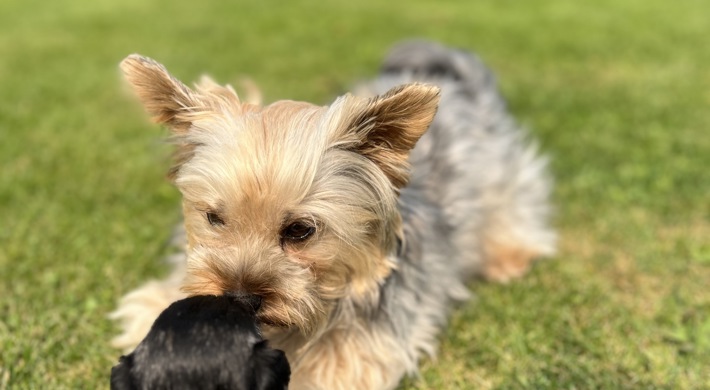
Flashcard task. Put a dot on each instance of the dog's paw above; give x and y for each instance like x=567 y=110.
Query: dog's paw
x=138 y=310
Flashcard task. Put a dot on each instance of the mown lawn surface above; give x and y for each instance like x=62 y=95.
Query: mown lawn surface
x=617 y=92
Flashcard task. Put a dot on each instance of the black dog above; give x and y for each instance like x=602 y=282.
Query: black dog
x=204 y=342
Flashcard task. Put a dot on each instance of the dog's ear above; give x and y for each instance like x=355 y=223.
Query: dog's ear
x=121 y=374
x=172 y=103
x=392 y=123
x=166 y=99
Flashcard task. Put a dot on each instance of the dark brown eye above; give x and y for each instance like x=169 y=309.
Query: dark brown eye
x=214 y=219
x=297 y=232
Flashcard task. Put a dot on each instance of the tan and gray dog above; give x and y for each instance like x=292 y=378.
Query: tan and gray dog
x=357 y=224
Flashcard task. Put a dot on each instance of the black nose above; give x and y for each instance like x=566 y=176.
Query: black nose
x=253 y=300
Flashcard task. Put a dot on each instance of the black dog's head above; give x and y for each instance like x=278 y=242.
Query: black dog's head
x=203 y=342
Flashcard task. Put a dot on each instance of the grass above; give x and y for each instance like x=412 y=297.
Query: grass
x=617 y=92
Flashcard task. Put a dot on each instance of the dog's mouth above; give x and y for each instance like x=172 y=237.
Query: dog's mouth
x=277 y=302
x=273 y=322
x=267 y=309
x=277 y=312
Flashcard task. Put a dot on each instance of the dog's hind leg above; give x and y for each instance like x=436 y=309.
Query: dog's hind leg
x=515 y=229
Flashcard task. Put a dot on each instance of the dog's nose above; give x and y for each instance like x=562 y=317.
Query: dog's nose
x=252 y=300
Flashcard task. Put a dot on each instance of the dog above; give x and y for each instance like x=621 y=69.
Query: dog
x=358 y=223
x=204 y=342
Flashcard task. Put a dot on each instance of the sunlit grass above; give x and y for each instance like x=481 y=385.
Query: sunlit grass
x=617 y=92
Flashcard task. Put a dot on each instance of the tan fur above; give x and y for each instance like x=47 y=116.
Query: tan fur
x=394 y=122
x=507 y=261
x=353 y=357
x=508 y=253
x=358 y=299
x=349 y=353
x=141 y=307
x=261 y=168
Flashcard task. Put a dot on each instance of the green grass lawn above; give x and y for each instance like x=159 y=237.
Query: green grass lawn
x=616 y=91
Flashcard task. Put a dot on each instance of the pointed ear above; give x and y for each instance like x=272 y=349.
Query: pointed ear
x=165 y=98
x=392 y=124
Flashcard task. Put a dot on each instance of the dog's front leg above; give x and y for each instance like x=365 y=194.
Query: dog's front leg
x=140 y=307
x=357 y=357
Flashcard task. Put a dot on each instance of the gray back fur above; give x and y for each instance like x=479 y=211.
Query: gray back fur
x=472 y=168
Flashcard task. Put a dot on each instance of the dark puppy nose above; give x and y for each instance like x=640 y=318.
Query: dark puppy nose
x=252 y=300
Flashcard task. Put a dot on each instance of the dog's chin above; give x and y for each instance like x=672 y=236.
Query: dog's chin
x=288 y=315
x=266 y=316
x=274 y=323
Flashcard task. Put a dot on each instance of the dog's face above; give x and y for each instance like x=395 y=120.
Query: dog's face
x=203 y=342
x=292 y=202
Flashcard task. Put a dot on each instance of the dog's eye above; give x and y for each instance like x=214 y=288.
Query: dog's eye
x=214 y=219
x=297 y=232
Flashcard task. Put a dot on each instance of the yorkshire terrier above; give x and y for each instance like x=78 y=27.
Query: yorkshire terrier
x=204 y=342
x=358 y=223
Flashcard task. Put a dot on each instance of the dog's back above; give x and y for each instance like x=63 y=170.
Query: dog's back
x=475 y=162
x=433 y=62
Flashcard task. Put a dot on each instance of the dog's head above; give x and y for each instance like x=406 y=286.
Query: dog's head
x=203 y=342
x=292 y=202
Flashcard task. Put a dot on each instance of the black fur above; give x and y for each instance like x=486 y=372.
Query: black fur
x=203 y=342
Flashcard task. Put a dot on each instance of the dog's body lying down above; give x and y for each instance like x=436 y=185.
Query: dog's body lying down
x=357 y=257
